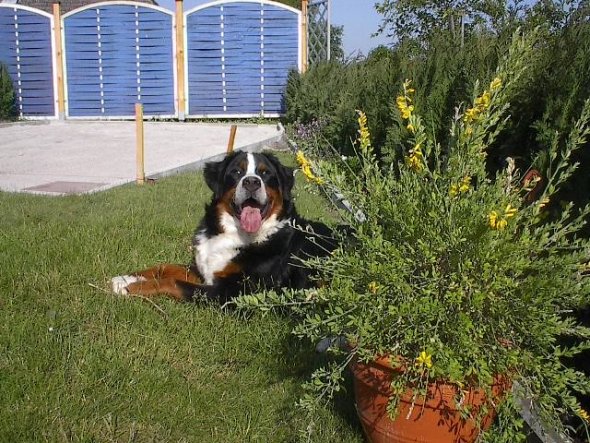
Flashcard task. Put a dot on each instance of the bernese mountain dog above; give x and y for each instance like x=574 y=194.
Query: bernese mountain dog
x=251 y=237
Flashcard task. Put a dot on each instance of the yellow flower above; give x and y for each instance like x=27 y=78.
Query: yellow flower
x=407 y=88
x=414 y=163
x=496 y=84
x=465 y=184
x=584 y=415
x=500 y=223
x=301 y=159
x=364 y=134
x=543 y=202
x=407 y=112
x=309 y=175
x=404 y=107
x=424 y=359
x=471 y=115
x=411 y=128
x=415 y=160
x=362 y=120
x=306 y=168
x=460 y=188
x=483 y=101
x=373 y=287
x=510 y=211
x=493 y=219
x=403 y=102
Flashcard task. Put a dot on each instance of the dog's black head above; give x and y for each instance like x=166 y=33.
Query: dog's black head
x=251 y=188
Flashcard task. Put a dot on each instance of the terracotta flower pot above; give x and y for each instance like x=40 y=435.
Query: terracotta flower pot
x=435 y=419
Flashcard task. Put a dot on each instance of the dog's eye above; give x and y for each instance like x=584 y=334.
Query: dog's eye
x=263 y=173
x=237 y=172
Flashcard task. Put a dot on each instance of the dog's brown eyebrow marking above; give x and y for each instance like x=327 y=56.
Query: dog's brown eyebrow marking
x=243 y=165
x=262 y=168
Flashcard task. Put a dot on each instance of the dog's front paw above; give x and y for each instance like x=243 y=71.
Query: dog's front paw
x=119 y=283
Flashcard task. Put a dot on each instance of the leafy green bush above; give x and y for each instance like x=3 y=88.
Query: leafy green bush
x=7 y=97
x=564 y=84
x=331 y=92
x=446 y=75
x=457 y=276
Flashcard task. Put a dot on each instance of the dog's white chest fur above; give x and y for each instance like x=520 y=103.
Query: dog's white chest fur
x=213 y=254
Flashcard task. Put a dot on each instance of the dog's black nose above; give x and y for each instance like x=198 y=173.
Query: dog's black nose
x=251 y=183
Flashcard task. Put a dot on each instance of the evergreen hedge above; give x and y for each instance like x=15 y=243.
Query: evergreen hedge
x=444 y=73
x=7 y=97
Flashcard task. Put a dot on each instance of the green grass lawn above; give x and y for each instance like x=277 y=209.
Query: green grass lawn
x=80 y=364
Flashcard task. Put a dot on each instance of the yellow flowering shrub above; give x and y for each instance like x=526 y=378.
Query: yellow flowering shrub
x=451 y=270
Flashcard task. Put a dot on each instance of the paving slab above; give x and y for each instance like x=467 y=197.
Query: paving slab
x=75 y=157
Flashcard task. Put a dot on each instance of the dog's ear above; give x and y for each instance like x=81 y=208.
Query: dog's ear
x=285 y=176
x=213 y=173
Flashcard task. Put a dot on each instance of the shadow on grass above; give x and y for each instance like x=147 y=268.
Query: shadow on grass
x=296 y=359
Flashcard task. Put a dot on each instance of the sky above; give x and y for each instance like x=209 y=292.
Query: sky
x=358 y=17
x=360 y=20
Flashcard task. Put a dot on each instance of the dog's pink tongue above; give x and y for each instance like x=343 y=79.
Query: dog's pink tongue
x=251 y=219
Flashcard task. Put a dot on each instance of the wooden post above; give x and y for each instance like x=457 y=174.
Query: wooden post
x=61 y=108
x=180 y=54
x=232 y=138
x=304 y=25
x=139 y=145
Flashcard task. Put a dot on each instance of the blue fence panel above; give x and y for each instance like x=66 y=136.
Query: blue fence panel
x=26 y=51
x=204 y=55
x=239 y=54
x=118 y=55
x=281 y=47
